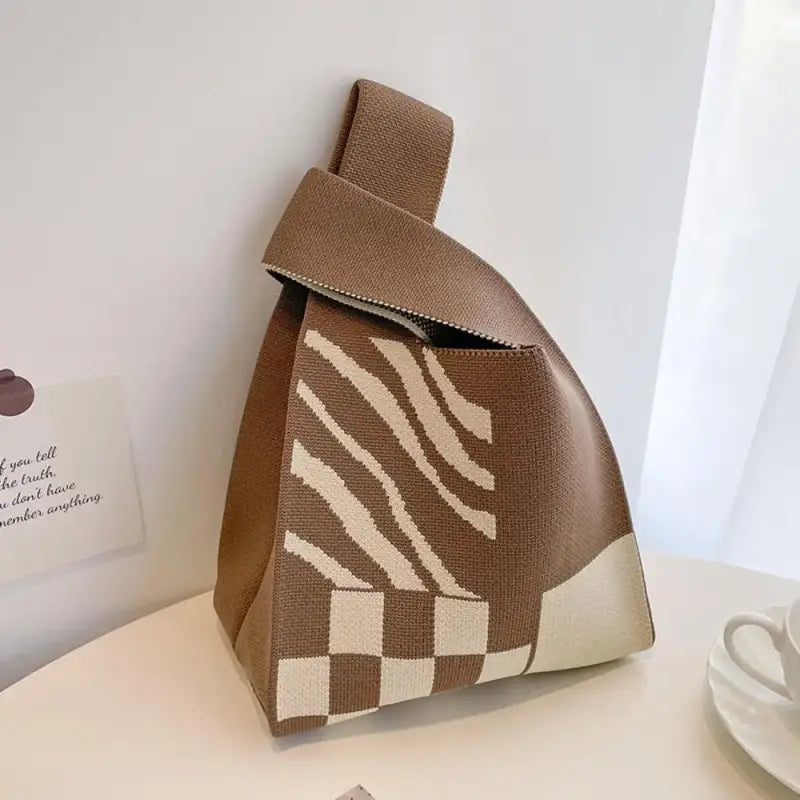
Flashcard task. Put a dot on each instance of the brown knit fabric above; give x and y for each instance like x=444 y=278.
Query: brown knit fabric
x=406 y=517
x=394 y=147
x=248 y=525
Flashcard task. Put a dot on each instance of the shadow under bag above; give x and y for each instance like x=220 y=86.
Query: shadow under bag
x=423 y=495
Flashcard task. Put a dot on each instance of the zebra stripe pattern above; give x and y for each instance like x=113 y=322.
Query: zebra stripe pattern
x=353 y=515
x=381 y=400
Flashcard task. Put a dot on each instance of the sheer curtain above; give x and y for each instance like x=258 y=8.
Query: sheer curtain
x=721 y=476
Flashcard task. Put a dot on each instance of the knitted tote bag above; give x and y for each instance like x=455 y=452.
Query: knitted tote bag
x=423 y=495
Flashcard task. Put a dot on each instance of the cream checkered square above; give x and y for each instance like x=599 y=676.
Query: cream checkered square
x=356 y=623
x=303 y=687
x=406 y=678
x=504 y=664
x=461 y=627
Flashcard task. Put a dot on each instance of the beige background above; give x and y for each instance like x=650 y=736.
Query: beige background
x=146 y=150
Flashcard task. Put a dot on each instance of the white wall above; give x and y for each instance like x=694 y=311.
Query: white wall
x=722 y=468
x=147 y=149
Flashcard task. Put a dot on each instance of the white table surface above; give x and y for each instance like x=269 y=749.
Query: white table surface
x=157 y=709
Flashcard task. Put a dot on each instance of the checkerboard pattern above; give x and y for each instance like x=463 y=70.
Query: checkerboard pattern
x=386 y=647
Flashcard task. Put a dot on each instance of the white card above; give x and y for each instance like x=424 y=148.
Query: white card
x=67 y=482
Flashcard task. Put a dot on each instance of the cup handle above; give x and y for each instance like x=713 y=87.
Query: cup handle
x=775 y=632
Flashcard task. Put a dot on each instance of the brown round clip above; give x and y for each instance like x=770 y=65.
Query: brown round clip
x=16 y=394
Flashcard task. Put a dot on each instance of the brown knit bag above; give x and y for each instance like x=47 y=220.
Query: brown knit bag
x=423 y=495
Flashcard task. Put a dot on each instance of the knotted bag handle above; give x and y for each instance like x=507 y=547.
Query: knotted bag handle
x=363 y=230
x=394 y=147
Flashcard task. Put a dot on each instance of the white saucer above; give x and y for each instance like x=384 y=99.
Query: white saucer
x=766 y=725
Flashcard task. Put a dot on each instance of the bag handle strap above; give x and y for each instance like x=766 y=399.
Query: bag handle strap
x=395 y=147
x=363 y=230
x=334 y=237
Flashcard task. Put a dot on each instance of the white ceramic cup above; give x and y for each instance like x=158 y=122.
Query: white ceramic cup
x=785 y=639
